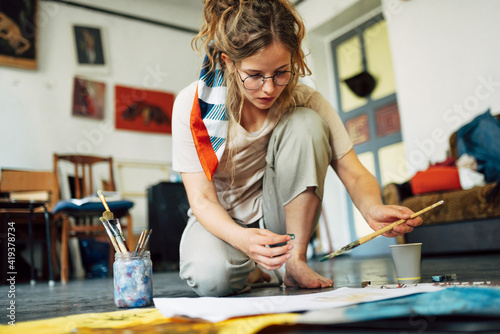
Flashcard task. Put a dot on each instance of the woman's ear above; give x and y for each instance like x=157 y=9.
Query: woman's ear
x=227 y=61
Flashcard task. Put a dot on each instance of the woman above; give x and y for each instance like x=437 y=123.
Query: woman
x=253 y=147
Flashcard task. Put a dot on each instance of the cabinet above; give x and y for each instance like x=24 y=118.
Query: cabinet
x=167 y=216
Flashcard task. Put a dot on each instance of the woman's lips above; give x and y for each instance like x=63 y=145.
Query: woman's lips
x=266 y=99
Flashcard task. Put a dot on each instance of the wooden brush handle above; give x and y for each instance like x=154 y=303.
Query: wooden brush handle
x=375 y=234
x=101 y=196
x=399 y=222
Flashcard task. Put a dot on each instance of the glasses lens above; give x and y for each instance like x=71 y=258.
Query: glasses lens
x=283 y=78
x=253 y=82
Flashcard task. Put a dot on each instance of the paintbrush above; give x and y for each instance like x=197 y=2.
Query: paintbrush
x=108 y=215
x=119 y=241
x=121 y=244
x=110 y=235
x=143 y=248
x=141 y=244
x=140 y=240
x=371 y=236
x=115 y=228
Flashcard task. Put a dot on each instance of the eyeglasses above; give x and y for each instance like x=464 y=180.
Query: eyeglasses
x=253 y=82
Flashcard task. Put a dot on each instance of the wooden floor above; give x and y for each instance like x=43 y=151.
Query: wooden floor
x=96 y=295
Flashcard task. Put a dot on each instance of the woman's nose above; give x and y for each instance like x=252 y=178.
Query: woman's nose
x=268 y=86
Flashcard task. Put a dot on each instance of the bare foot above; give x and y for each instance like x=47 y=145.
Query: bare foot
x=298 y=273
x=258 y=276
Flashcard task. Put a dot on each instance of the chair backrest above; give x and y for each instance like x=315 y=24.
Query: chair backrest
x=29 y=185
x=83 y=178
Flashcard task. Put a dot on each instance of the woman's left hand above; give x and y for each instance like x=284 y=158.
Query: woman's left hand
x=379 y=216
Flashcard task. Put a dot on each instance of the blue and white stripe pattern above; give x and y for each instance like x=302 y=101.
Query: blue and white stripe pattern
x=212 y=101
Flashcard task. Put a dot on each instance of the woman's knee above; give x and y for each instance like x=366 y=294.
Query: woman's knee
x=307 y=124
x=210 y=266
x=302 y=134
x=302 y=137
x=207 y=278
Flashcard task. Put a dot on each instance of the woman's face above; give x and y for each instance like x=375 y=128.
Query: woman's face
x=272 y=60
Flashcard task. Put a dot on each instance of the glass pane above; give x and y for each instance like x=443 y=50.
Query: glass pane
x=360 y=225
x=379 y=60
x=349 y=63
x=393 y=166
x=387 y=120
x=358 y=129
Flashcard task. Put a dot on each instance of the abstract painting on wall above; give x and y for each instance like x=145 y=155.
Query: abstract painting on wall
x=88 y=98
x=18 y=32
x=143 y=110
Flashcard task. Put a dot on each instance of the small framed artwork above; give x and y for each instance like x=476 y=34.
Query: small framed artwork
x=88 y=98
x=143 y=110
x=358 y=129
x=89 y=48
x=18 y=33
x=387 y=120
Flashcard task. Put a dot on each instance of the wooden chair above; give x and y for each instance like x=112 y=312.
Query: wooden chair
x=85 y=216
x=32 y=194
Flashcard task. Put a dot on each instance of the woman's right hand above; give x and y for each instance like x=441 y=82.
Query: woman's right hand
x=254 y=242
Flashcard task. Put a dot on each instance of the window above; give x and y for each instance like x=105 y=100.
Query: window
x=368 y=105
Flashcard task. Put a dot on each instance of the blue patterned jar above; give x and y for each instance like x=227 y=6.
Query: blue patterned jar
x=133 y=279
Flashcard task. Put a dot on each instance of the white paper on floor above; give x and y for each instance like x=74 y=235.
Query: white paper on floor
x=218 y=309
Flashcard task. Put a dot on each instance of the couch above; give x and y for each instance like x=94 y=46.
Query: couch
x=468 y=221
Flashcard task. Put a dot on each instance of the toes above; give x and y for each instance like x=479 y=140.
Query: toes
x=327 y=284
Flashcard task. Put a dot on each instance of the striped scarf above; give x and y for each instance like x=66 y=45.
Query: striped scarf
x=209 y=119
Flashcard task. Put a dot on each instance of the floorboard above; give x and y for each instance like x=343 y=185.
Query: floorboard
x=96 y=295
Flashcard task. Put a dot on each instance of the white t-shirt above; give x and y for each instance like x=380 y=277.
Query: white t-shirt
x=241 y=197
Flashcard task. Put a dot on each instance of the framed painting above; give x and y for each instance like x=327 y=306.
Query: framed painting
x=387 y=120
x=143 y=110
x=88 y=98
x=18 y=33
x=358 y=129
x=89 y=48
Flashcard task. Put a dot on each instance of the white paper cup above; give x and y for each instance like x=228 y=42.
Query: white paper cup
x=406 y=258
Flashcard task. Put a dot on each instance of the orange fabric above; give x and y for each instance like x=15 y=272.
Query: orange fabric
x=436 y=178
x=206 y=153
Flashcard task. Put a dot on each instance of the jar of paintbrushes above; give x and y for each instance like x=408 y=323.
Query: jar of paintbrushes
x=133 y=279
x=132 y=270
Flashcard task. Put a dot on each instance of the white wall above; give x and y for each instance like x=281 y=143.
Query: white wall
x=35 y=106
x=445 y=56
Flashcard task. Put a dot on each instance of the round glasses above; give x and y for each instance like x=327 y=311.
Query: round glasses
x=253 y=82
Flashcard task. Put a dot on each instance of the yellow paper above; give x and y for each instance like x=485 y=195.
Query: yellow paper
x=145 y=319
x=68 y=324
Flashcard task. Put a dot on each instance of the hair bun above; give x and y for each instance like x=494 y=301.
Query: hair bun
x=218 y=7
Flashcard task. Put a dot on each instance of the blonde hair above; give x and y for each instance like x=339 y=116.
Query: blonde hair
x=242 y=28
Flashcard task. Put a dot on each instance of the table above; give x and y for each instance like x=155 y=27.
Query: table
x=18 y=206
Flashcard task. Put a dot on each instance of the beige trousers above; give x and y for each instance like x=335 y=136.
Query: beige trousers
x=298 y=156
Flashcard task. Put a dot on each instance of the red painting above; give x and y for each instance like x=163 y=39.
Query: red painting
x=143 y=110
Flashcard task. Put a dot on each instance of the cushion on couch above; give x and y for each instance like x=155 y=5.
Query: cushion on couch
x=437 y=178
